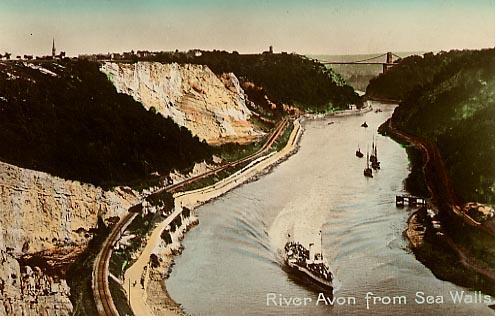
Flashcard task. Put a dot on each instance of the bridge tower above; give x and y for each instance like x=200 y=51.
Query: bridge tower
x=388 y=62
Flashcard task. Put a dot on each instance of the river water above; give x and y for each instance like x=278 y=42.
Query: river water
x=231 y=265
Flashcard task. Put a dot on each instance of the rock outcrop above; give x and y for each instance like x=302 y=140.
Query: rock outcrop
x=45 y=223
x=26 y=291
x=42 y=212
x=211 y=107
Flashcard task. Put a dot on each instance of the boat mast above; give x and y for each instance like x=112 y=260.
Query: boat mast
x=373 y=143
x=367 y=157
x=321 y=244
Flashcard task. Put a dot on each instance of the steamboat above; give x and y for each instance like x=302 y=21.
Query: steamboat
x=309 y=265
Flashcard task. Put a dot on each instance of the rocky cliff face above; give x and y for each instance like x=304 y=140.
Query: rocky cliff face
x=42 y=212
x=26 y=291
x=45 y=222
x=211 y=107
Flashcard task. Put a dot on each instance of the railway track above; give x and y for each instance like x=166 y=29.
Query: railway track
x=100 y=273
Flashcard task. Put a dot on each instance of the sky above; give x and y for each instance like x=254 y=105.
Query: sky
x=306 y=27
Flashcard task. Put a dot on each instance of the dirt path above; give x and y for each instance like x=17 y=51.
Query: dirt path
x=139 y=270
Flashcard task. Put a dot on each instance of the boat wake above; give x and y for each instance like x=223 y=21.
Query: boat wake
x=301 y=221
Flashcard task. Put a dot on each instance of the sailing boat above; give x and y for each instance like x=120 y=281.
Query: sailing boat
x=359 y=154
x=373 y=157
x=375 y=162
x=368 y=171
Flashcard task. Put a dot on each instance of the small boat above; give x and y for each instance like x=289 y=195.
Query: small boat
x=364 y=125
x=359 y=154
x=368 y=171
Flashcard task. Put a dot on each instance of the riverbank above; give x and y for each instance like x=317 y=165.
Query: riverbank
x=367 y=107
x=231 y=263
x=152 y=298
x=433 y=235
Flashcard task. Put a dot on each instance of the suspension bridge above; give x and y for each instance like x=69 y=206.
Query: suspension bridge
x=389 y=61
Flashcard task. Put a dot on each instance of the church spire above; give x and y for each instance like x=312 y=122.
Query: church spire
x=53 y=48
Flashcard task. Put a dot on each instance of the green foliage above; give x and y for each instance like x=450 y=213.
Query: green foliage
x=230 y=152
x=164 y=198
x=76 y=126
x=415 y=182
x=282 y=141
x=120 y=298
x=141 y=226
x=165 y=235
x=452 y=106
x=287 y=78
x=79 y=275
x=414 y=72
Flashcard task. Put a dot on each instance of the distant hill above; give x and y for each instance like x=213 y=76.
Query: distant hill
x=67 y=119
x=287 y=78
x=449 y=98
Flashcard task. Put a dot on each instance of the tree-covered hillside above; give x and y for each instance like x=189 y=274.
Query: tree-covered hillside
x=454 y=107
x=67 y=119
x=416 y=71
x=287 y=78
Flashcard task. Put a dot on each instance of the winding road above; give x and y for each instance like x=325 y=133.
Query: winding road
x=100 y=273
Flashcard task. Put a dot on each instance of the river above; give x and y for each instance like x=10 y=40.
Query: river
x=230 y=263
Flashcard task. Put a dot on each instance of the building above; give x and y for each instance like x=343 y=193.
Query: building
x=270 y=51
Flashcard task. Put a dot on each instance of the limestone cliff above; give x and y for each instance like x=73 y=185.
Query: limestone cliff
x=211 y=107
x=42 y=212
x=46 y=221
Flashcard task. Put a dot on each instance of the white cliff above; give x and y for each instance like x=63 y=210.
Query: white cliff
x=41 y=212
x=211 y=107
x=51 y=217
